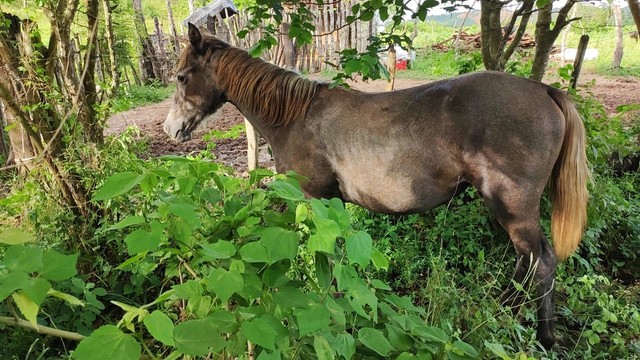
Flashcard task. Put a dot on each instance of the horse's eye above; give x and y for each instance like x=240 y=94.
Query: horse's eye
x=181 y=79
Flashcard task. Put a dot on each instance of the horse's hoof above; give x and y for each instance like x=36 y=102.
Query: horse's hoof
x=547 y=341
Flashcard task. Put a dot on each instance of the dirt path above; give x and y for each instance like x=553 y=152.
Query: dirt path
x=612 y=92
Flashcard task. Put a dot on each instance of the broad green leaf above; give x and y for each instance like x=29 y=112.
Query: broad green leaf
x=318 y=209
x=210 y=195
x=379 y=284
x=462 y=348
x=319 y=243
x=117 y=184
x=23 y=258
x=185 y=208
x=359 y=248
x=224 y=321
x=345 y=345
x=142 y=240
x=27 y=307
x=359 y=296
x=279 y=243
x=254 y=252
x=302 y=213
x=199 y=305
x=275 y=275
x=265 y=355
x=224 y=283
x=384 y=13
x=58 y=266
x=406 y=356
x=336 y=311
x=352 y=66
x=72 y=300
x=160 y=327
x=15 y=236
x=323 y=270
x=108 y=343
x=375 y=340
x=259 y=332
x=188 y=289
x=127 y=221
x=286 y=190
x=379 y=260
x=11 y=282
x=314 y=318
x=37 y=289
x=346 y=276
x=322 y=348
x=327 y=227
x=367 y=15
x=431 y=333
x=197 y=337
x=291 y=297
x=398 y=338
x=221 y=249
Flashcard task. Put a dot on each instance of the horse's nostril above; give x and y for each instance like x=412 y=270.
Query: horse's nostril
x=178 y=134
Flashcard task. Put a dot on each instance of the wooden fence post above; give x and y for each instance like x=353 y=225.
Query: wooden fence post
x=577 y=63
x=252 y=146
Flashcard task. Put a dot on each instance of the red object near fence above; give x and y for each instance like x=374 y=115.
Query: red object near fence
x=401 y=64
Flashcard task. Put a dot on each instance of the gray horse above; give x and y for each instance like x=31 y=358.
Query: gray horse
x=410 y=150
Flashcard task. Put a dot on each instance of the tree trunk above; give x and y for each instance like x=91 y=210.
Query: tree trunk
x=88 y=116
x=617 y=21
x=161 y=53
x=634 y=6
x=288 y=48
x=391 y=66
x=495 y=46
x=172 y=29
x=148 y=60
x=32 y=97
x=192 y=8
x=4 y=147
x=113 y=64
x=547 y=35
x=491 y=33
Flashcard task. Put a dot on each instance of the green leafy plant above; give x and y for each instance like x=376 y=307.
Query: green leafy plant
x=264 y=267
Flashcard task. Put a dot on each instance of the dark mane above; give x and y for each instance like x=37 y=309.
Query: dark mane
x=279 y=97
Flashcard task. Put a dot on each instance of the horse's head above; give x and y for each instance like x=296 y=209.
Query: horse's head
x=198 y=91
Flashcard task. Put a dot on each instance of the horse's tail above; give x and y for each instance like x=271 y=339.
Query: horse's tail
x=569 y=182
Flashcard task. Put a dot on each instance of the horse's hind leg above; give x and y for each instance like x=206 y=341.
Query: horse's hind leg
x=518 y=212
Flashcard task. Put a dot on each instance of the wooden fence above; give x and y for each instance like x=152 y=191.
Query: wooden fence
x=332 y=34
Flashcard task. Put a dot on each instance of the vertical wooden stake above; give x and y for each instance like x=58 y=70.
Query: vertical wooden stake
x=252 y=146
x=391 y=66
x=577 y=63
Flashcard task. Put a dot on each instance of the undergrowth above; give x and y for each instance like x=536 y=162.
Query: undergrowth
x=183 y=260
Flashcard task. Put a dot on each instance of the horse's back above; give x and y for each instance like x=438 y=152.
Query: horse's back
x=410 y=150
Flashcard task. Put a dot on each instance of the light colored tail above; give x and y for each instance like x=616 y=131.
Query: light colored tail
x=569 y=182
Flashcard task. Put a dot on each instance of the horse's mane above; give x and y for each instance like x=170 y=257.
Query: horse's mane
x=279 y=97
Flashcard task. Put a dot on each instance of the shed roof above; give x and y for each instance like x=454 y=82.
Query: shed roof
x=199 y=17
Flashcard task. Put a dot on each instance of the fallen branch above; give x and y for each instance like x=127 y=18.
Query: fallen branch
x=44 y=330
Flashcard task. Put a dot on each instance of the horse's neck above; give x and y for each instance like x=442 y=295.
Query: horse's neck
x=267 y=131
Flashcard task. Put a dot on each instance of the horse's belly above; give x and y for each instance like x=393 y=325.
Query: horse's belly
x=391 y=195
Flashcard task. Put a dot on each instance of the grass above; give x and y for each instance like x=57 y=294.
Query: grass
x=136 y=95
x=604 y=40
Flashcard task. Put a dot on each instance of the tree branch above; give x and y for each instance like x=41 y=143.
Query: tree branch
x=44 y=330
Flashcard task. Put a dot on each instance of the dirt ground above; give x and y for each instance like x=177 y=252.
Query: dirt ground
x=612 y=92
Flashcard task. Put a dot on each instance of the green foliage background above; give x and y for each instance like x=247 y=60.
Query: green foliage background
x=183 y=259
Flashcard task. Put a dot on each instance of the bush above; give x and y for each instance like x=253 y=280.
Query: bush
x=183 y=259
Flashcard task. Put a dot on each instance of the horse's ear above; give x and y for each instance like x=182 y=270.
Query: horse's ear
x=195 y=38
